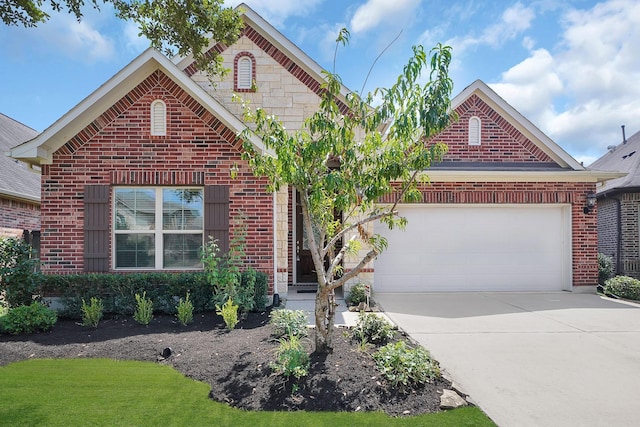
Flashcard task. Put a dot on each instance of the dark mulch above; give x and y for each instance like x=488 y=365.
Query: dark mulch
x=235 y=364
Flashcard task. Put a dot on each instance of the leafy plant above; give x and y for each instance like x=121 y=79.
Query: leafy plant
x=27 y=319
x=605 y=268
x=229 y=313
x=17 y=272
x=404 y=367
x=185 y=310
x=289 y=323
x=92 y=312
x=144 y=309
x=372 y=328
x=292 y=358
x=623 y=287
x=357 y=294
x=260 y=293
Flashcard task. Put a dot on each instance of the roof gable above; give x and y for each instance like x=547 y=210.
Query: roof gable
x=104 y=104
x=508 y=139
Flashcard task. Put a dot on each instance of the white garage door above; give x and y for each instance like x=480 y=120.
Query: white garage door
x=477 y=248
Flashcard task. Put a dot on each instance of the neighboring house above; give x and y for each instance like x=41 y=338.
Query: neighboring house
x=619 y=206
x=138 y=175
x=19 y=186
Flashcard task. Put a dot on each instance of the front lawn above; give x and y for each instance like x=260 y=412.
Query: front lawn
x=103 y=392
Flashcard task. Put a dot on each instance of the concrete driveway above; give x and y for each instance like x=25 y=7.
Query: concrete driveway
x=532 y=359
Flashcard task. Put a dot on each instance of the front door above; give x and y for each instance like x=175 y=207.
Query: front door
x=305 y=270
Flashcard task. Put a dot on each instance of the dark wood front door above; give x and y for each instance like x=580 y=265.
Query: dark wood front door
x=305 y=270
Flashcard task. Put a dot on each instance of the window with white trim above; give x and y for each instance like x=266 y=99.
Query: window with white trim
x=244 y=73
x=158 y=118
x=474 y=130
x=158 y=228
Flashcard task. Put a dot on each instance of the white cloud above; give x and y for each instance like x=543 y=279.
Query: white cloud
x=132 y=39
x=513 y=22
x=589 y=87
x=375 y=12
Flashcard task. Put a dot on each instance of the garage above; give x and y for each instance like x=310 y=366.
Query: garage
x=477 y=248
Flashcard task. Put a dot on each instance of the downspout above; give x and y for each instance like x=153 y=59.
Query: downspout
x=275 y=243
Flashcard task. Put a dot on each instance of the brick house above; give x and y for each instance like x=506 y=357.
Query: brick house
x=19 y=186
x=618 y=206
x=138 y=174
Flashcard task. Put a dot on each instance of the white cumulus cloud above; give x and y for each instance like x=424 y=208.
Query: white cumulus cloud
x=376 y=12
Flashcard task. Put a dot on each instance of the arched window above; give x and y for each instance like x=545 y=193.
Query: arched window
x=158 y=118
x=474 y=130
x=244 y=72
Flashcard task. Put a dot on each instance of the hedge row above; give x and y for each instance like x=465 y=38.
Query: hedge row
x=118 y=291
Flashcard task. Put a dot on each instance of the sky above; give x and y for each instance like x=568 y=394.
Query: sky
x=572 y=67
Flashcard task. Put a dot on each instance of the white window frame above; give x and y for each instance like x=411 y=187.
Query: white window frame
x=158 y=230
x=244 y=68
x=475 y=135
x=158 y=118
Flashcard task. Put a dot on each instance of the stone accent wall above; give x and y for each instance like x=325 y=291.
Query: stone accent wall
x=117 y=149
x=18 y=215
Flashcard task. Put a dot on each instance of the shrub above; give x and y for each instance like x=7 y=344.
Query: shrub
x=372 y=328
x=144 y=309
x=18 y=278
x=623 y=287
x=245 y=292
x=357 y=294
x=289 y=322
x=185 y=310
x=229 y=313
x=27 y=319
x=92 y=312
x=605 y=268
x=292 y=358
x=404 y=367
x=260 y=293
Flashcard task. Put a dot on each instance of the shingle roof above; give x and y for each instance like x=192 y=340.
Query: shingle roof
x=16 y=180
x=625 y=157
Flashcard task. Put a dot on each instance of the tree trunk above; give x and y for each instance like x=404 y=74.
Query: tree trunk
x=325 y=319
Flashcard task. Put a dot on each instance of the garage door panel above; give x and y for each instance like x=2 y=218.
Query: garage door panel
x=476 y=248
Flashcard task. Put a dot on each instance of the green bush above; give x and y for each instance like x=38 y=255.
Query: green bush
x=245 y=292
x=144 y=309
x=357 y=294
x=623 y=287
x=229 y=313
x=18 y=277
x=92 y=312
x=27 y=319
x=292 y=358
x=185 y=310
x=117 y=291
x=289 y=322
x=373 y=329
x=260 y=294
x=605 y=268
x=404 y=367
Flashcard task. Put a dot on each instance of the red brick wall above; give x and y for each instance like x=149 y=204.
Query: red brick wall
x=18 y=215
x=117 y=149
x=500 y=142
x=584 y=230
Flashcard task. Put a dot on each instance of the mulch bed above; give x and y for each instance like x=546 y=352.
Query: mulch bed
x=235 y=364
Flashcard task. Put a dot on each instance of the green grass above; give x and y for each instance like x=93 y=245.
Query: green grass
x=102 y=392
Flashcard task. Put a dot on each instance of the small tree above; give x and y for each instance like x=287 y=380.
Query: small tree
x=381 y=152
x=17 y=272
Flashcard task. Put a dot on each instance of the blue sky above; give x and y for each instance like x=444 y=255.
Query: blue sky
x=571 y=67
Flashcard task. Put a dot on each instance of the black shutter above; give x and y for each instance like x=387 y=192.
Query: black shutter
x=96 y=228
x=216 y=215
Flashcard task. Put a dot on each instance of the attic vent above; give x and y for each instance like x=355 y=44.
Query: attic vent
x=474 y=130
x=158 y=118
x=244 y=73
x=629 y=155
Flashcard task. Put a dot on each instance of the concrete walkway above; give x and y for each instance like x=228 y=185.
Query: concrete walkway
x=532 y=359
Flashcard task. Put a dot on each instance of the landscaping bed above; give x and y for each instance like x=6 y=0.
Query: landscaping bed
x=235 y=364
